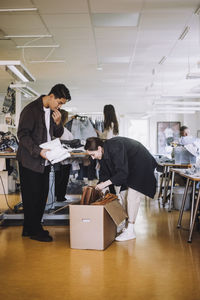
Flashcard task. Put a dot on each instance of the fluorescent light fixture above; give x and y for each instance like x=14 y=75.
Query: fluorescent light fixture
x=176 y=103
x=99 y=68
x=17 y=70
x=18 y=9
x=24 y=89
x=172 y=112
x=193 y=76
x=162 y=60
x=29 y=36
x=177 y=108
x=184 y=96
x=197 y=11
x=184 y=33
x=29 y=92
x=46 y=61
x=38 y=46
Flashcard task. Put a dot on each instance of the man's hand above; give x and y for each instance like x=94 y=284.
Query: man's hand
x=56 y=116
x=43 y=153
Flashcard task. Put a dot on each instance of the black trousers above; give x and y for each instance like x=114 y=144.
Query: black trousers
x=61 y=181
x=34 y=191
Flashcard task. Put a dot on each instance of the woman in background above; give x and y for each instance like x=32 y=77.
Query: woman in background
x=111 y=126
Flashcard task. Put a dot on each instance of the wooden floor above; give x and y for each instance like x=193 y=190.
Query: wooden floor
x=158 y=265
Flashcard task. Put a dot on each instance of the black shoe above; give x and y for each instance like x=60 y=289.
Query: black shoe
x=26 y=233
x=41 y=237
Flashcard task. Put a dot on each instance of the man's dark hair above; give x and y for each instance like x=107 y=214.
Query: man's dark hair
x=183 y=128
x=93 y=143
x=60 y=91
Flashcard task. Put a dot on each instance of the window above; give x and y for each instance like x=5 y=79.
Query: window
x=139 y=130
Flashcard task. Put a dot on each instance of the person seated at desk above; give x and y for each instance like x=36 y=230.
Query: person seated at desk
x=63 y=171
x=185 y=137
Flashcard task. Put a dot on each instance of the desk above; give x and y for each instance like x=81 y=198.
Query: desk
x=190 y=179
x=166 y=178
x=46 y=216
x=7 y=154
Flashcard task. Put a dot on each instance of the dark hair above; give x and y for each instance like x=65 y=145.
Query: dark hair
x=183 y=128
x=109 y=118
x=64 y=116
x=60 y=91
x=93 y=143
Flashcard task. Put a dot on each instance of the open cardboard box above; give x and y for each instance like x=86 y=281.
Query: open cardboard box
x=95 y=226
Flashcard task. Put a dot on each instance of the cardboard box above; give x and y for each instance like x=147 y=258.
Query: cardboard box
x=95 y=226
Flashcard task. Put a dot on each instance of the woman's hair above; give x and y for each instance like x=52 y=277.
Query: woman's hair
x=109 y=118
x=64 y=116
x=93 y=143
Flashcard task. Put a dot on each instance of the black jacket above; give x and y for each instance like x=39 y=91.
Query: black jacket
x=32 y=132
x=127 y=162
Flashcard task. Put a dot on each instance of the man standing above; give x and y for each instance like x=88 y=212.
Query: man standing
x=39 y=122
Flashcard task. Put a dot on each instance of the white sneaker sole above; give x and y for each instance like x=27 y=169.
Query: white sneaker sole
x=118 y=239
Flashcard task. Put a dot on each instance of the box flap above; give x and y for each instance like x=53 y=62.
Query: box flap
x=116 y=211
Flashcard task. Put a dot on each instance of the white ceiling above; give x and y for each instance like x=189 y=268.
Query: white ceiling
x=131 y=77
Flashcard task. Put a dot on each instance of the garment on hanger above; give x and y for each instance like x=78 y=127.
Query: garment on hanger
x=81 y=127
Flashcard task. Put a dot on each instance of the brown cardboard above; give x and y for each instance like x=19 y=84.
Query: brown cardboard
x=94 y=227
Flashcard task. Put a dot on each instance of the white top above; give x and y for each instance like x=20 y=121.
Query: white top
x=108 y=134
x=47 y=123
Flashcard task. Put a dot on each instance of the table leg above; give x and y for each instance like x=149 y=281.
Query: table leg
x=171 y=192
x=194 y=217
x=192 y=204
x=161 y=183
x=165 y=186
x=183 y=203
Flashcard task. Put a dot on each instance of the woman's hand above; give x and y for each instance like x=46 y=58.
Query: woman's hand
x=56 y=116
x=103 y=185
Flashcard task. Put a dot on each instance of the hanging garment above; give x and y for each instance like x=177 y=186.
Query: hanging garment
x=9 y=102
x=8 y=142
x=82 y=128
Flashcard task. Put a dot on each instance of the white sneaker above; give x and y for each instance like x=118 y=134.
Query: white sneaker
x=126 y=235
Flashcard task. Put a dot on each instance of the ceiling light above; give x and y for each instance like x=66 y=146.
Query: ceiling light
x=38 y=46
x=99 y=68
x=197 y=11
x=17 y=9
x=17 y=70
x=176 y=103
x=46 y=61
x=29 y=36
x=162 y=60
x=172 y=112
x=177 y=108
x=26 y=90
x=193 y=76
x=186 y=96
x=184 y=33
